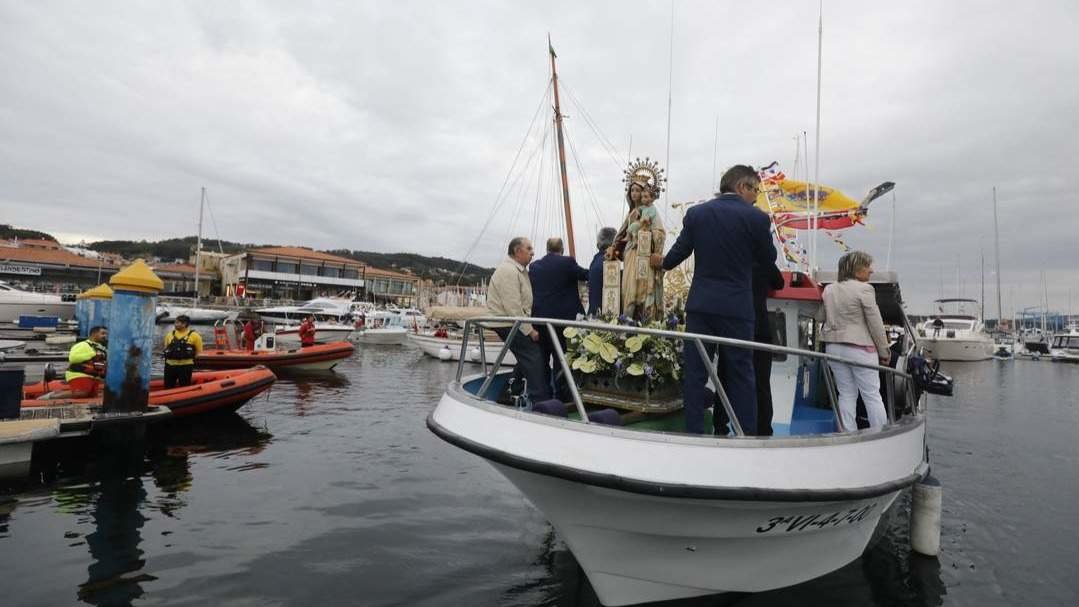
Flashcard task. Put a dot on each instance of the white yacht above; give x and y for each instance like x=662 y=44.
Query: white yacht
x=16 y=302
x=1065 y=346
x=751 y=513
x=330 y=309
x=381 y=328
x=167 y=313
x=956 y=332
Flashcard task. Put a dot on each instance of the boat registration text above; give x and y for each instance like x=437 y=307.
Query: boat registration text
x=794 y=523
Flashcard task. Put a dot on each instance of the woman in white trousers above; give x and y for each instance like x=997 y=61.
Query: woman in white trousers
x=853 y=329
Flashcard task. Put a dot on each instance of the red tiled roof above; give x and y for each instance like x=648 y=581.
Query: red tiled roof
x=303 y=253
x=50 y=256
x=36 y=243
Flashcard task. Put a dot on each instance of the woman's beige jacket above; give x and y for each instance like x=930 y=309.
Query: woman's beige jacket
x=851 y=316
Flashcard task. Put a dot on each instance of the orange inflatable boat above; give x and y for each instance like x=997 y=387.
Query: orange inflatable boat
x=209 y=391
x=311 y=358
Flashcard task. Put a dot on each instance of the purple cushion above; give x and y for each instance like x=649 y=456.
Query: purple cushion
x=550 y=407
x=607 y=417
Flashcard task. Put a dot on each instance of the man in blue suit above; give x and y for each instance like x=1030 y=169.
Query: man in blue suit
x=604 y=240
x=727 y=235
x=555 y=295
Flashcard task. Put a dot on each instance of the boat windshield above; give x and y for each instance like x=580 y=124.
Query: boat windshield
x=1066 y=342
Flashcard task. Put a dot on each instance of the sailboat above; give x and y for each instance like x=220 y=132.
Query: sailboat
x=167 y=313
x=652 y=513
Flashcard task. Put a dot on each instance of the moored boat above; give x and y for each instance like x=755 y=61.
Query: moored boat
x=449 y=348
x=380 y=328
x=209 y=391
x=16 y=302
x=324 y=332
x=17 y=438
x=958 y=335
x=320 y=357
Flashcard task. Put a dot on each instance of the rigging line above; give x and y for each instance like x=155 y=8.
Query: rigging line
x=213 y=222
x=520 y=185
x=604 y=141
x=494 y=209
x=539 y=184
x=670 y=87
x=584 y=178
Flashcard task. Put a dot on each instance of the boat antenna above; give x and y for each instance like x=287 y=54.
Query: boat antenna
x=670 y=85
x=198 y=245
x=561 y=151
x=816 y=159
x=996 y=241
x=891 y=236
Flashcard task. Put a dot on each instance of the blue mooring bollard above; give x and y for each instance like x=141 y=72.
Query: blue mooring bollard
x=82 y=317
x=98 y=301
x=131 y=337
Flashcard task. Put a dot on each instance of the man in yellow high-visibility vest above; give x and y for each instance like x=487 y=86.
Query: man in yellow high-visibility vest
x=182 y=345
x=87 y=361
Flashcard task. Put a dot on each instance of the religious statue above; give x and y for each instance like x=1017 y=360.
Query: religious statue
x=642 y=234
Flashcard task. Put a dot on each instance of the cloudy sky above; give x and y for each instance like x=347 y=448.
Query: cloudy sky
x=392 y=126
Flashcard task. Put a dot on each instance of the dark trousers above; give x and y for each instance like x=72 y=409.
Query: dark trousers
x=529 y=365
x=555 y=380
x=178 y=374
x=735 y=373
x=762 y=368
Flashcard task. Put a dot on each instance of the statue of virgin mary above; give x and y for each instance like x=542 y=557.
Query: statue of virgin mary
x=642 y=234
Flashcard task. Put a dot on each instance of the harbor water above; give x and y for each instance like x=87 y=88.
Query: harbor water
x=330 y=490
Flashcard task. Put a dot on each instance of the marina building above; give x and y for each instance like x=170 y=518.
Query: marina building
x=300 y=273
x=46 y=265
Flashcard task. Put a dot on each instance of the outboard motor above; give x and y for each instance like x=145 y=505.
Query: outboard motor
x=927 y=376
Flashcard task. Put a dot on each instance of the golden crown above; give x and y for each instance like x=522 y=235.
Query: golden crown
x=645 y=172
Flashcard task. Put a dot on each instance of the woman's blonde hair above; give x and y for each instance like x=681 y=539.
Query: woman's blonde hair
x=852 y=262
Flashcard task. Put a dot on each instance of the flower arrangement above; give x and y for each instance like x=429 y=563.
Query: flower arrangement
x=657 y=360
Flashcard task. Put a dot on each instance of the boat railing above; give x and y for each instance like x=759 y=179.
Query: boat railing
x=478 y=325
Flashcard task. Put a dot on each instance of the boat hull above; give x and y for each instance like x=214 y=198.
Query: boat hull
x=449 y=348
x=958 y=349
x=637 y=548
x=210 y=391
x=10 y=312
x=396 y=336
x=321 y=357
x=290 y=338
x=17 y=438
x=748 y=514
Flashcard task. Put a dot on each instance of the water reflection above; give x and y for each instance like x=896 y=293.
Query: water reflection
x=311 y=388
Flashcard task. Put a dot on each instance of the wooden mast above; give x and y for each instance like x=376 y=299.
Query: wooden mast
x=561 y=153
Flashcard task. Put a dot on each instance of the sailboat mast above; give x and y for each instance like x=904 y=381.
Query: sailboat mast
x=198 y=246
x=816 y=153
x=996 y=254
x=561 y=152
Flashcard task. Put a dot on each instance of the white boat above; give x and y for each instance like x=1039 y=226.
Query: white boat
x=381 y=328
x=958 y=335
x=411 y=318
x=289 y=337
x=16 y=302
x=449 y=348
x=652 y=514
x=167 y=313
x=1065 y=346
x=328 y=309
x=17 y=438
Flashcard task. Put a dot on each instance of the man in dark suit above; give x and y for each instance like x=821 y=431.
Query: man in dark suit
x=728 y=236
x=555 y=295
x=604 y=240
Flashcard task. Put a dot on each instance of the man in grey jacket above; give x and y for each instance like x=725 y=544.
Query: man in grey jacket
x=510 y=294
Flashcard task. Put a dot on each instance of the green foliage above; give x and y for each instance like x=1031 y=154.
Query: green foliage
x=8 y=232
x=658 y=359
